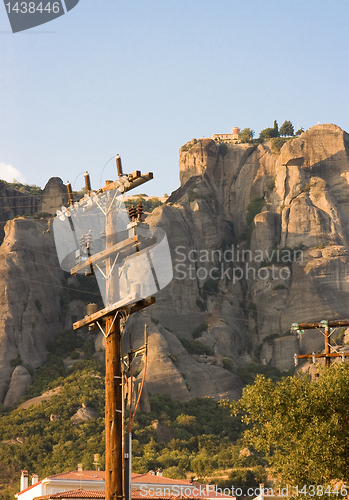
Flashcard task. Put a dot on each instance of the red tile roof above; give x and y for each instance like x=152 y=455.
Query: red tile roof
x=136 y=494
x=87 y=475
x=152 y=478
x=155 y=482
x=80 y=493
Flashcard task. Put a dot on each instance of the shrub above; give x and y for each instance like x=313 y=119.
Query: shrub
x=228 y=364
x=174 y=473
x=186 y=146
x=199 y=330
x=148 y=205
x=196 y=347
x=276 y=144
x=269 y=132
x=173 y=358
x=210 y=287
x=279 y=287
x=246 y=135
x=222 y=149
x=338 y=338
x=16 y=361
x=270 y=185
x=254 y=207
x=201 y=305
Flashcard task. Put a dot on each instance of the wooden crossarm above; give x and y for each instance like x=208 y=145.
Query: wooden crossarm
x=104 y=254
x=118 y=306
x=323 y=355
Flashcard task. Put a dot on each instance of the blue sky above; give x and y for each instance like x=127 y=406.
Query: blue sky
x=141 y=78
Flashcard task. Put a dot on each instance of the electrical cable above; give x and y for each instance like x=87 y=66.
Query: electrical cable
x=100 y=180
x=141 y=389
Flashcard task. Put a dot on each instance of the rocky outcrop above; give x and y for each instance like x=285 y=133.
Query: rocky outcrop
x=258 y=241
x=30 y=310
x=54 y=195
x=83 y=414
x=16 y=203
x=46 y=396
x=20 y=380
x=300 y=239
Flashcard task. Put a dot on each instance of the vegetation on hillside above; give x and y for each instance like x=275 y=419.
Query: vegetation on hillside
x=31 y=189
x=292 y=429
x=148 y=204
x=202 y=435
x=246 y=135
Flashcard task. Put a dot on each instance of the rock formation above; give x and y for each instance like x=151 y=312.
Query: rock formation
x=30 y=311
x=299 y=238
x=14 y=203
x=259 y=240
x=83 y=414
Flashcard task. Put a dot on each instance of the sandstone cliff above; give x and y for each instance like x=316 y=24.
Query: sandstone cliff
x=14 y=202
x=301 y=230
x=258 y=241
x=30 y=303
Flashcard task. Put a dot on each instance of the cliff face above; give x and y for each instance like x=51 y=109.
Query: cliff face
x=14 y=203
x=29 y=305
x=258 y=241
x=291 y=267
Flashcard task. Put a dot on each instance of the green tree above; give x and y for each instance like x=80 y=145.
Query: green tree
x=300 y=131
x=301 y=426
x=270 y=132
x=286 y=128
x=246 y=135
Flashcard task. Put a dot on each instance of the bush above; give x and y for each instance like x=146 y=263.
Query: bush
x=276 y=144
x=38 y=304
x=246 y=135
x=16 y=361
x=228 y=364
x=210 y=287
x=173 y=358
x=270 y=185
x=174 y=473
x=199 y=330
x=269 y=132
x=196 y=347
x=254 y=207
x=222 y=149
x=279 y=287
x=148 y=205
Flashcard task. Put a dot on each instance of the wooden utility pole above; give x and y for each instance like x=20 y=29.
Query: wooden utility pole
x=114 y=483
x=115 y=487
x=325 y=328
x=113 y=412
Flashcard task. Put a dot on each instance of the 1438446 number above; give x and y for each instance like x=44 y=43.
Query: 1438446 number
x=31 y=8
